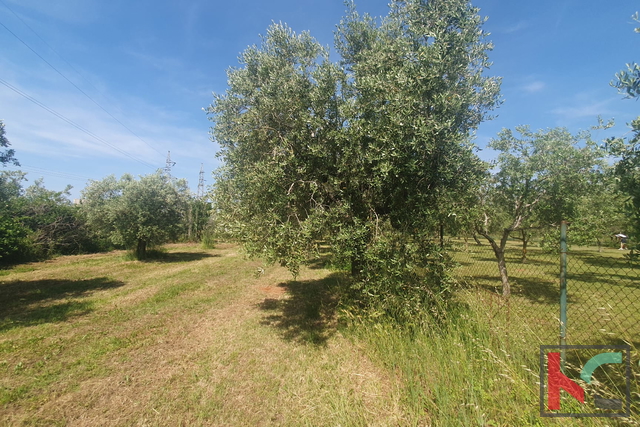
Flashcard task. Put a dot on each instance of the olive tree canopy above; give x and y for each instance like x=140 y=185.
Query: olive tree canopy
x=136 y=213
x=363 y=153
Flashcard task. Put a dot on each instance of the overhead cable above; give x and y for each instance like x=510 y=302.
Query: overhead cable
x=67 y=79
x=72 y=123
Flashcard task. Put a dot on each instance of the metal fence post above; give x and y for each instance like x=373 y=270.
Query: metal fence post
x=563 y=289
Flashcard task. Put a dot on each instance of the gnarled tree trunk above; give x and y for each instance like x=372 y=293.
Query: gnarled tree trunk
x=498 y=250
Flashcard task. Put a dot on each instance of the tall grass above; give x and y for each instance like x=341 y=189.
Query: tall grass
x=473 y=369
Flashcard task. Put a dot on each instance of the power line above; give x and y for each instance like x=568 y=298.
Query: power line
x=48 y=45
x=67 y=79
x=57 y=174
x=72 y=123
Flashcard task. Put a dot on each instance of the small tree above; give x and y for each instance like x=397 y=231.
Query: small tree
x=599 y=214
x=539 y=180
x=136 y=214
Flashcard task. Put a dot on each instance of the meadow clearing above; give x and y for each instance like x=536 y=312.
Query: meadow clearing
x=206 y=337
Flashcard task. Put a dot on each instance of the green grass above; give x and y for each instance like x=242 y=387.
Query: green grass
x=195 y=337
x=603 y=302
x=603 y=290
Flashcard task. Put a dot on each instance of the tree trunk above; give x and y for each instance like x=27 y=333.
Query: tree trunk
x=525 y=241
x=441 y=234
x=141 y=249
x=476 y=239
x=498 y=250
x=504 y=276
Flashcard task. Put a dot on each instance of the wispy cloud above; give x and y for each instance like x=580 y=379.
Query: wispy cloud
x=584 y=109
x=37 y=131
x=533 y=87
x=518 y=26
x=69 y=11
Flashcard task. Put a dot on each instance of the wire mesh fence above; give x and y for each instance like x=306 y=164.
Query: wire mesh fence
x=603 y=290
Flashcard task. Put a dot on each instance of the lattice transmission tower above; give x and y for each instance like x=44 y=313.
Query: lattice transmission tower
x=169 y=165
x=200 y=193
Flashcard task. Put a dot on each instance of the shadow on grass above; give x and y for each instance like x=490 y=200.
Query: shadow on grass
x=604 y=280
x=533 y=289
x=24 y=303
x=323 y=261
x=536 y=290
x=308 y=313
x=605 y=264
x=170 y=257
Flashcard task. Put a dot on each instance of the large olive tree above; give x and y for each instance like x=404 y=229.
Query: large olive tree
x=363 y=153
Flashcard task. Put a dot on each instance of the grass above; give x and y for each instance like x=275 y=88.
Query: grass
x=603 y=303
x=193 y=337
x=205 y=337
x=603 y=290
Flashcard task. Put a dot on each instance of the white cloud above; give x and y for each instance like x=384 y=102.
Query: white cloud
x=35 y=130
x=70 y=11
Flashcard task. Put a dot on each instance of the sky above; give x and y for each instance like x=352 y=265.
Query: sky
x=90 y=88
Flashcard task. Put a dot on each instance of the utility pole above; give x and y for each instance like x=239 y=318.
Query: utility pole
x=169 y=165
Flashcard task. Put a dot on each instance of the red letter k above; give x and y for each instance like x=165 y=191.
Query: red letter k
x=558 y=380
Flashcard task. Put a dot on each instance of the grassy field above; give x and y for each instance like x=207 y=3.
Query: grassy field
x=206 y=337
x=603 y=290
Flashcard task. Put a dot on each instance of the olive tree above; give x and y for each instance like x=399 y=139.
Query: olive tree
x=359 y=153
x=627 y=168
x=136 y=213
x=539 y=180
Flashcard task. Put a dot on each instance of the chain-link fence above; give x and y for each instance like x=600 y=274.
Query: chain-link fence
x=603 y=296
x=603 y=289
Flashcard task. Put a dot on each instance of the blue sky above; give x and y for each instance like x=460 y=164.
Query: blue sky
x=137 y=74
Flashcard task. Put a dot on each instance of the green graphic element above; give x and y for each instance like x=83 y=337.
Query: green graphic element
x=597 y=360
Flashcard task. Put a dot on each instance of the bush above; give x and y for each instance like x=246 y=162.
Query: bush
x=406 y=279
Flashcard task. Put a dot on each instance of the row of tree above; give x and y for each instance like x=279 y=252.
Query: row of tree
x=136 y=214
